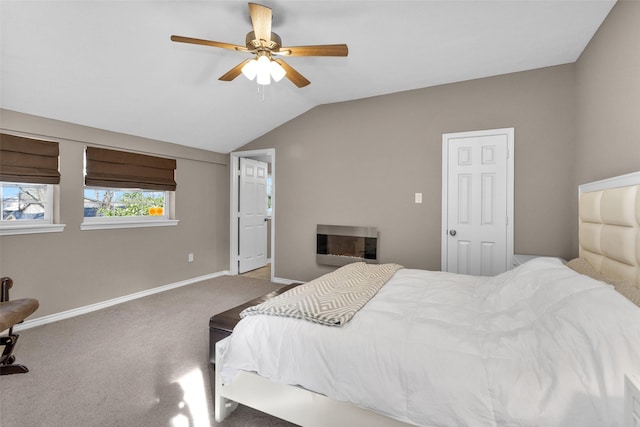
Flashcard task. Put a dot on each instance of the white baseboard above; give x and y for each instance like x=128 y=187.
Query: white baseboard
x=284 y=281
x=104 y=304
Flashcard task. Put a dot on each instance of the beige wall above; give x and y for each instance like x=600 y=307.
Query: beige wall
x=360 y=162
x=608 y=102
x=76 y=268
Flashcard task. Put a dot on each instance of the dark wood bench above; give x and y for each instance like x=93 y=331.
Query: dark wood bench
x=221 y=325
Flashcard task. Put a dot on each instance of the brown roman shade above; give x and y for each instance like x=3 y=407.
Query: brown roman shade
x=28 y=160
x=121 y=169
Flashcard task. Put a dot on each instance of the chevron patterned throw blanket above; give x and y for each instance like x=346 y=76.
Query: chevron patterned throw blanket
x=332 y=299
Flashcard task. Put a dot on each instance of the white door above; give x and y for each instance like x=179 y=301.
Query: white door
x=477 y=203
x=252 y=221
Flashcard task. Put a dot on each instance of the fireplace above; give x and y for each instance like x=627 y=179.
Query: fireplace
x=341 y=244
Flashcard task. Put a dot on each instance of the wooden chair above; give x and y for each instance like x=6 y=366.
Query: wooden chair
x=12 y=313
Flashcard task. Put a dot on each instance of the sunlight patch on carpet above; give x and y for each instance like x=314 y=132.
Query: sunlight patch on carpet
x=193 y=410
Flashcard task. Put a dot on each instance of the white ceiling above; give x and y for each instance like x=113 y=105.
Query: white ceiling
x=111 y=65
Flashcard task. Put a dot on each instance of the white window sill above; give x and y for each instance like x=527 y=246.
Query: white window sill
x=137 y=223
x=9 y=230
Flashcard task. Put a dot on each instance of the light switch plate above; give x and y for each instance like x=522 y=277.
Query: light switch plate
x=418 y=197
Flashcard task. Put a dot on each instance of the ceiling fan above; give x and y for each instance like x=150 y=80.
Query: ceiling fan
x=266 y=45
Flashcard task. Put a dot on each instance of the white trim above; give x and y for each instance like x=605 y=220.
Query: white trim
x=233 y=213
x=510 y=132
x=234 y=160
x=133 y=223
x=10 y=230
x=614 y=182
x=104 y=304
x=285 y=281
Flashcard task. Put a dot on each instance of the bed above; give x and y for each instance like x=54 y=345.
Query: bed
x=543 y=344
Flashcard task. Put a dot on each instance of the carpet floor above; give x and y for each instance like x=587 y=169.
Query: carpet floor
x=259 y=273
x=140 y=363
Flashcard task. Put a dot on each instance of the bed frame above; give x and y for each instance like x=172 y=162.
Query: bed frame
x=290 y=403
x=609 y=235
x=609 y=239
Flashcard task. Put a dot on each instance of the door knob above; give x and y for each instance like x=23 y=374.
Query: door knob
x=452 y=232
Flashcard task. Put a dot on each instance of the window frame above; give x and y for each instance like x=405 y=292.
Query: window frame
x=34 y=226
x=113 y=222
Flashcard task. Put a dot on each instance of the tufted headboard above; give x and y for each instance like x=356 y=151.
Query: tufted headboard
x=609 y=233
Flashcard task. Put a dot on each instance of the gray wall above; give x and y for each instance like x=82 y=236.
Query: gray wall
x=76 y=268
x=608 y=102
x=360 y=162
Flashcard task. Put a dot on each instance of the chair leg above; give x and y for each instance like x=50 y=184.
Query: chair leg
x=13 y=369
x=7 y=359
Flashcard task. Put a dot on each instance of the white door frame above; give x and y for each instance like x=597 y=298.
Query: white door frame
x=510 y=188
x=234 y=162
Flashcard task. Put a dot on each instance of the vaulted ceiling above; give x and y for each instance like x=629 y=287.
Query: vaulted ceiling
x=111 y=65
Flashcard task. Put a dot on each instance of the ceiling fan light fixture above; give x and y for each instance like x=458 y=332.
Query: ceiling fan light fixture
x=264 y=70
x=250 y=69
x=277 y=72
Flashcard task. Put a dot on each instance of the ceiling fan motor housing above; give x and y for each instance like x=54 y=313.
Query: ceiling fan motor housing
x=254 y=44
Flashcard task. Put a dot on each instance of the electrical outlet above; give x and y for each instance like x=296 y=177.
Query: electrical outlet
x=190 y=257
x=418 y=197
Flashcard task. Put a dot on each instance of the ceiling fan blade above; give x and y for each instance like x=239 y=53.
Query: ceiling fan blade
x=191 y=40
x=319 y=50
x=234 y=72
x=297 y=78
x=261 y=18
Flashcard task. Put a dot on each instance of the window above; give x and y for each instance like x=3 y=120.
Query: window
x=109 y=202
x=22 y=202
x=27 y=209
x=125 y=190
x=28 y=174
x=269 y=194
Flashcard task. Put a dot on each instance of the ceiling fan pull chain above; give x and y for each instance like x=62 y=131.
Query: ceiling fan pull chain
x=261 y=91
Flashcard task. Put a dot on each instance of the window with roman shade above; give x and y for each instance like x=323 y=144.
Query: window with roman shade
x=121 y=169
x=28 y=172
x=124 y=189
x=28 y=160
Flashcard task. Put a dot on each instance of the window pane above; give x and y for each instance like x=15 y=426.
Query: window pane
x=100 y=202
x=22 y=202
x=154 y=203
x=269 y=191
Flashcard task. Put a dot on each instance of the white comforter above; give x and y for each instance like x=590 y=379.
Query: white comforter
x=539 y=345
